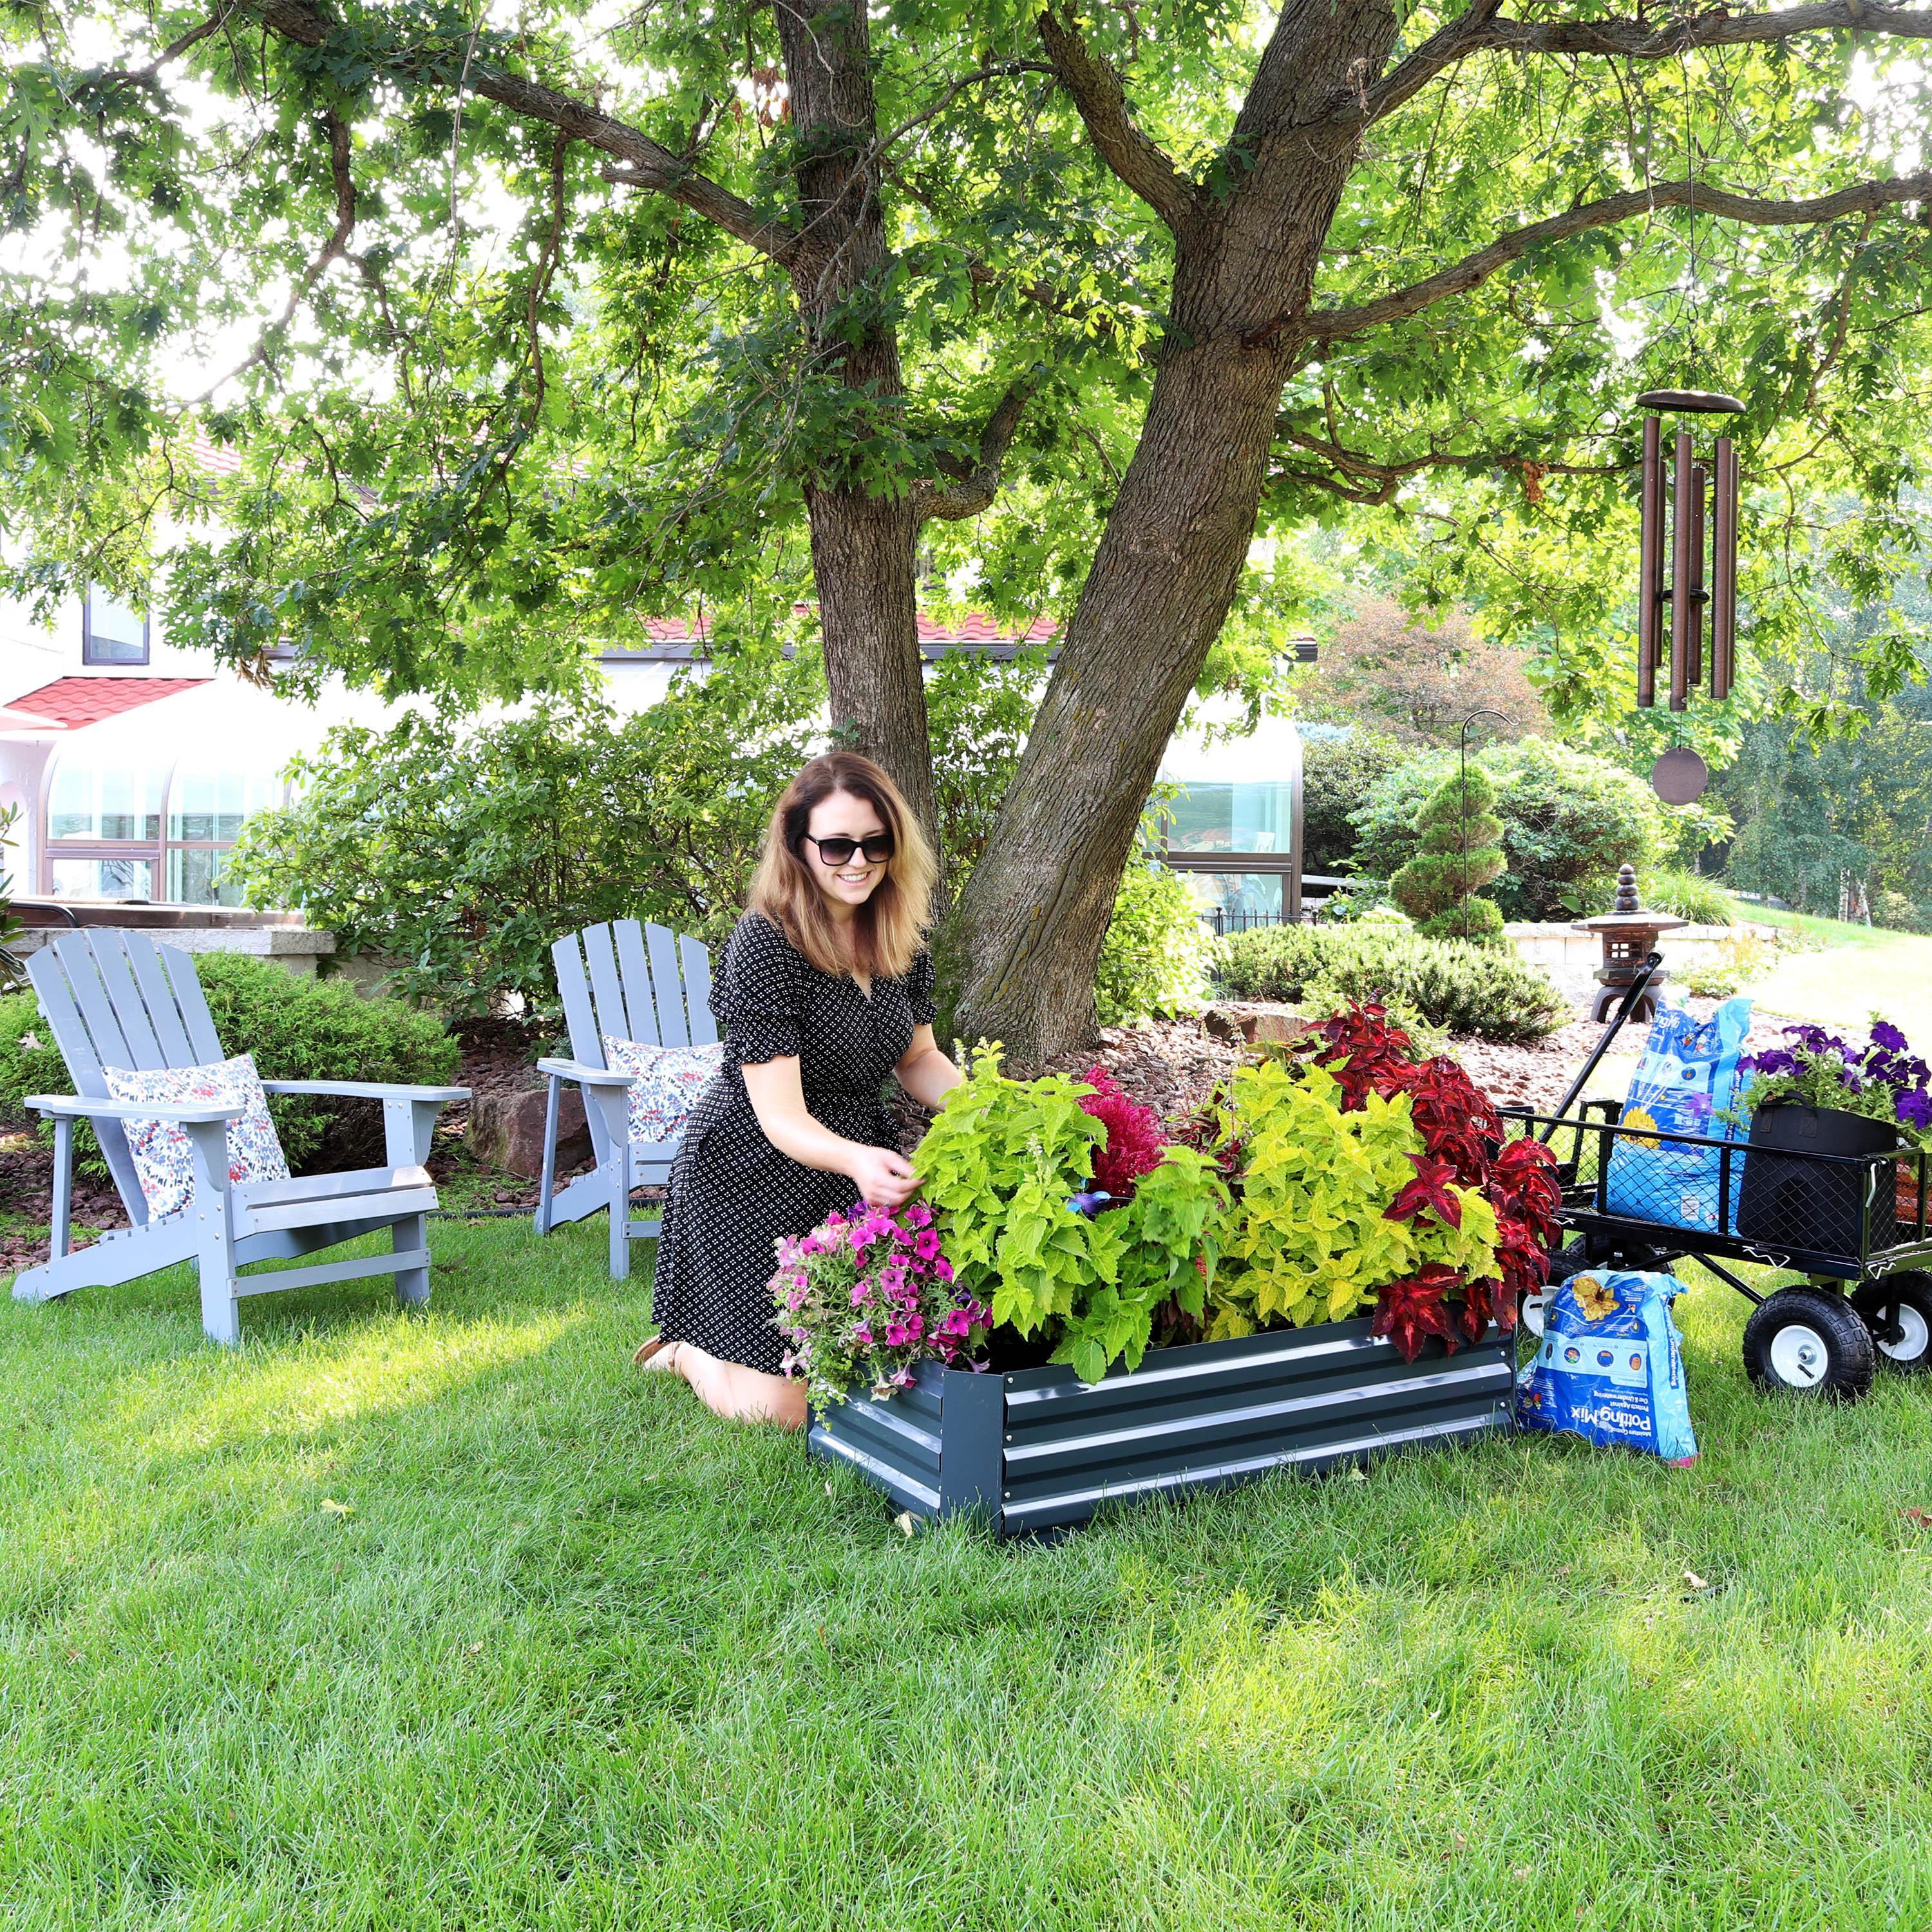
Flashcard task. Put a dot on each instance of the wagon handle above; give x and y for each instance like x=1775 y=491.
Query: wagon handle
x=1645 y=974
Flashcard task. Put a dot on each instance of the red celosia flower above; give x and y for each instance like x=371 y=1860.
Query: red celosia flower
x=1132 y=1145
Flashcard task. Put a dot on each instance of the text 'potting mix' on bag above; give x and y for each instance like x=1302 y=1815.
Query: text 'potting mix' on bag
x=1611 y=1368
x=1683 y=1084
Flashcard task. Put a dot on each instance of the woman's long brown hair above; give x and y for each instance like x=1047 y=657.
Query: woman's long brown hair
x=887 y=930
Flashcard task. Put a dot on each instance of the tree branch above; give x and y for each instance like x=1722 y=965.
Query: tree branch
x=1141 y=162
x=1352 y=463
x=1443 y=49
x=979 y=481
x=645 y=163
x=1867 y=198
x=1478 y=30
x=335 y=249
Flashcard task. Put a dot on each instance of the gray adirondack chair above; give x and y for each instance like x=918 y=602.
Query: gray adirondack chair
x=632 y=981
x=114 y=998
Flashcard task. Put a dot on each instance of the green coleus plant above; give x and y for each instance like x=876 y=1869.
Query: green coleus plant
x=1001 y=1168
x=1336 y=1205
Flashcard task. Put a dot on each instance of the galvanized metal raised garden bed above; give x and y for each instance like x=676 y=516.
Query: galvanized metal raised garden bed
x=1038 y=1449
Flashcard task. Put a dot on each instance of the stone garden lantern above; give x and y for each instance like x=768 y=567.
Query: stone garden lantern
x=1629 y=935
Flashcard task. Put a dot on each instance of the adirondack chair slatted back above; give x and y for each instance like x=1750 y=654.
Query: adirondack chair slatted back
x=633 y=981
x=114 y=998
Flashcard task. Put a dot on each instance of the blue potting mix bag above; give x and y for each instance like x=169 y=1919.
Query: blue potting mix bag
x=1683 y=1084
x=1610 y=1369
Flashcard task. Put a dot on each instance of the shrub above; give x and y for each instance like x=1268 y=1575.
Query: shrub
x=1485 y=991
x=1338 y=773
x=1156 y=950
x=463 y=854
x=1569 y=821
x=295 y=1029
x=1689 y=895
x=1898 y=912
x=1457 y=830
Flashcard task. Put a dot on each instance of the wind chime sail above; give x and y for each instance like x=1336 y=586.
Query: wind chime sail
x=1694 y=507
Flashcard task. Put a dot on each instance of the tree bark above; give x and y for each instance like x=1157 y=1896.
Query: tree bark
x=863 y=544
x=1030 y=923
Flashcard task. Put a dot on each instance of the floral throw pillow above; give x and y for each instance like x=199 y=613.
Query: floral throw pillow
x=666 y=1084
x=164 y=1159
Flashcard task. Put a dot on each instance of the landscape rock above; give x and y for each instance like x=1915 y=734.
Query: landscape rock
x=506 y=1128
x=1251 y=1022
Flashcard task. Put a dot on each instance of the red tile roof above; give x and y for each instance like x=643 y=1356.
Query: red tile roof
x=72 y=702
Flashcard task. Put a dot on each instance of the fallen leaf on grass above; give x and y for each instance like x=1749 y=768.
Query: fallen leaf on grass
x=1922 y=1517
x=1357 y=1475
x=476 y=1646
x=902 y=1522
x=330 y=1506
x=1695 y=1582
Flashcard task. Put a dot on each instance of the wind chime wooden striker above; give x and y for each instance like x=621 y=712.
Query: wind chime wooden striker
x=1690 y=506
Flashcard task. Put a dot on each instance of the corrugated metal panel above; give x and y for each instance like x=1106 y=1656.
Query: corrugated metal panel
x=1203 y=1416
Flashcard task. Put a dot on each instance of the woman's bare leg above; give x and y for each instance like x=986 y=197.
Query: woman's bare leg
x=740 y=1394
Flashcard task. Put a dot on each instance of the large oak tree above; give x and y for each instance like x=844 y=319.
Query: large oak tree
x=544 y=319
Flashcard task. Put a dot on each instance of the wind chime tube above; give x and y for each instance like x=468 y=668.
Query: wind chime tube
x=1683 y=521
x=1700 y=481
x=1650 y=563
x=1724 y=571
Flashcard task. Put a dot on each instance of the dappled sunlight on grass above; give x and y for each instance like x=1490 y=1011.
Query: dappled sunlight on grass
x=454 y=1618
x=394 y=1361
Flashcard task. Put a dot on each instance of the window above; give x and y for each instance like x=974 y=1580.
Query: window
x=120 y=827
x=112 y=632
x=1233 y=823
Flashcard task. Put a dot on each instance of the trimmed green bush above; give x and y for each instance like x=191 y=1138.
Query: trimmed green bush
x=1457 y=829
x=1570 y=820
x=296 y=1030
x=1483 y=990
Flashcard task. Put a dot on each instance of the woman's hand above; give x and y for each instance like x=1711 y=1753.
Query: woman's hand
x=884 y=1178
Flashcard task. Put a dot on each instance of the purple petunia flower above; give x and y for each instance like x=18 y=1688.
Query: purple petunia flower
x=1884 y=1034
x=1914 y=1109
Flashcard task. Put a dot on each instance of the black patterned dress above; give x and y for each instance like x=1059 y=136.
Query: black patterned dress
x=733 y=1194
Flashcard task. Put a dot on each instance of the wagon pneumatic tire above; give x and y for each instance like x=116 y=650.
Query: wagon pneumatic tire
x=1812 y=1343
x=1898 y=1311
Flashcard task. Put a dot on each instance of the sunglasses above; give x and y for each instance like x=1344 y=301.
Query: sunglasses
x=878 y=849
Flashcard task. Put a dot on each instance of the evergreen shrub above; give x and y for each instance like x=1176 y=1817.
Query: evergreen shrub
x=295 y=1029
x=1466 y=989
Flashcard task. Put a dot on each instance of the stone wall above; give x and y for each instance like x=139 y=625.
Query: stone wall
x=1571 y=958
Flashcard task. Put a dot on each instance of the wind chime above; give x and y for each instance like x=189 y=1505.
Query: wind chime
x=1687 y=507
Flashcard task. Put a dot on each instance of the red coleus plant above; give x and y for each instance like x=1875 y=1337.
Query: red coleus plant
x=1418 y=1305
x=1132 y=1145
x=1462 y=1137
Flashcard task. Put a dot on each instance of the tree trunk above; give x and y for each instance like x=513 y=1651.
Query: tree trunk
x=863 y=545
x=1035 y=911
x=864 y=557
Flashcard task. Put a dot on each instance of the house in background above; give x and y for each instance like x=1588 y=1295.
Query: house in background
x=134 y=762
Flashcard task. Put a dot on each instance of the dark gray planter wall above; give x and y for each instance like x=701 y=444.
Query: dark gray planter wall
x=1039 y=1449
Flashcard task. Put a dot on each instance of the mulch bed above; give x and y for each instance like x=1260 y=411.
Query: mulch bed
x=1173 y=1065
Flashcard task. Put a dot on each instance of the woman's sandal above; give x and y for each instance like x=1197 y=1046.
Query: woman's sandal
x=656 y=1357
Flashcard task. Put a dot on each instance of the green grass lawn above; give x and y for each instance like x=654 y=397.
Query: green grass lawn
x=1860 y=969
x=454 y=1620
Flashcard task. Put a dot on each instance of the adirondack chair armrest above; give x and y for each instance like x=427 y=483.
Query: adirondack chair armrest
x=74 y=1106
x=366 y=1090
x=587 y=1076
